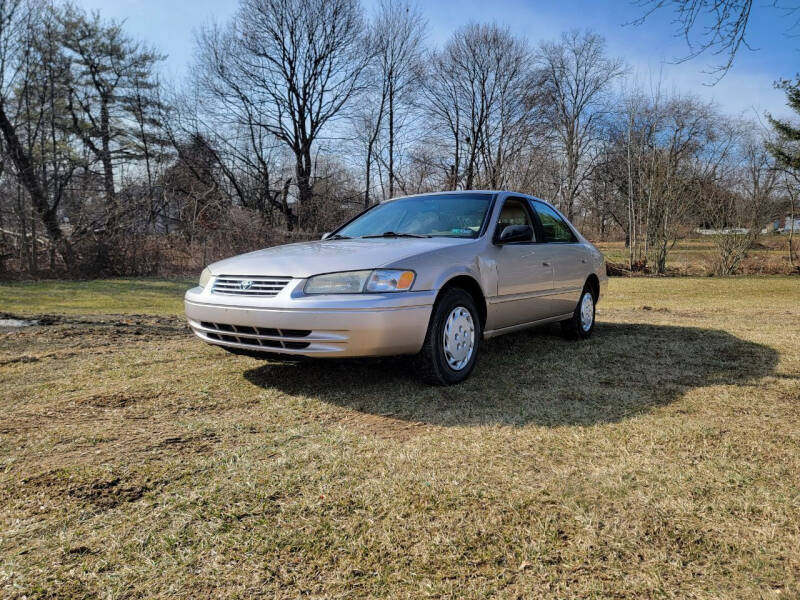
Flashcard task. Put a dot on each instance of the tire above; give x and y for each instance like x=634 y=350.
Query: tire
x=578 y=327
x=441 y=363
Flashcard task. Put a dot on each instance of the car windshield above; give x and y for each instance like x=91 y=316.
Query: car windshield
x=444 y=215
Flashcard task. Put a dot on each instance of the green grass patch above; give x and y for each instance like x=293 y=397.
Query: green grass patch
x=101 y=296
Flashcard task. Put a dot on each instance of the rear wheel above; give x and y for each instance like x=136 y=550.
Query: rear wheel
x=581 y=324
x=452 y=341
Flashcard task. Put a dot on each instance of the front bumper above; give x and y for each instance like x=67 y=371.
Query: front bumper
x=320 y=326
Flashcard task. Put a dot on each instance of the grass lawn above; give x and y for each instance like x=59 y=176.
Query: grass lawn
x=110 y=296
x=660 y=459
x=697 y=256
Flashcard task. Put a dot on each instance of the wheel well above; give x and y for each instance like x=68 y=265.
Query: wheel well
x=594 y=284
x=473 y=288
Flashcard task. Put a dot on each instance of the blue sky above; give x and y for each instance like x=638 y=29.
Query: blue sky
x=649 y=49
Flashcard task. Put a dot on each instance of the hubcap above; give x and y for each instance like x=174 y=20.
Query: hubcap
x=587 y=311
x=459 y=338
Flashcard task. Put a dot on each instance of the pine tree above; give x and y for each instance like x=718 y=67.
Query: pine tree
x=787 y=151
x=111 y=97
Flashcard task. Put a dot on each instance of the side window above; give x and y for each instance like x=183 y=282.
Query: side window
x=513 y=212
x=554 y=227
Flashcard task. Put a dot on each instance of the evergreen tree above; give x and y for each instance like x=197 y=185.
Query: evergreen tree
x=787 y=150
x=111 y=97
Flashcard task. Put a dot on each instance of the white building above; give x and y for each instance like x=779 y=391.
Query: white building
x=789 y=226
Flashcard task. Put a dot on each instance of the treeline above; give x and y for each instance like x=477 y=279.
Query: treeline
x=298 y=113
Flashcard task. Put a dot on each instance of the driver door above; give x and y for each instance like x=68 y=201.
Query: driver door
x=524 y=272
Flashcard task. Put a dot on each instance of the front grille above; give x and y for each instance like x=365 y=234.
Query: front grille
x=257 y=337
x=249 y=286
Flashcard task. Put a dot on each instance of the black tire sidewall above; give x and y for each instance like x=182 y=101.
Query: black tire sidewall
x=451 y=300
x=577 y=316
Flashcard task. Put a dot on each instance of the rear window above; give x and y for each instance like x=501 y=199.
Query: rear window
x=554 y=227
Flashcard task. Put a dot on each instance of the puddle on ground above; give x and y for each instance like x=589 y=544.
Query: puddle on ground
x=17 y=323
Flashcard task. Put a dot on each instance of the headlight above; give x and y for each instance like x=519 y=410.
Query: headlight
x=351 y=282
x=205 y=277
x=390 y=281
x=359 y=282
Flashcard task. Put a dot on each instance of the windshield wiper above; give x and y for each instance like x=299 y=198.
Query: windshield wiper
x=392 y=234
x=338 y=236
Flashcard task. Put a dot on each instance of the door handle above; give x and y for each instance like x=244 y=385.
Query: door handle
x=545 y=264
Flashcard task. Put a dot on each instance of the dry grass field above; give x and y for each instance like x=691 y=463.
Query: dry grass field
x=660 y=459
x=698 y=256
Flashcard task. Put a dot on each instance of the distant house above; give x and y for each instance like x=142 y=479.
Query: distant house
x=785 y=227
x=789 y=226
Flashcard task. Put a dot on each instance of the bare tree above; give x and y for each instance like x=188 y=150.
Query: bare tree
x=577 y=76
x=664 y=155
x=368 y=119
x=218 y=107
x=295 y=63
x=478 y=96
x=399 y=35
x=741 y=197
x=785 y=148
x=694 y=148
x=790 y=184
x=715 y=26
x=21 y=124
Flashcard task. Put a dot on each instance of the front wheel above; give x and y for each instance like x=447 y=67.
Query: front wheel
x=452 y=341
x=581 y=324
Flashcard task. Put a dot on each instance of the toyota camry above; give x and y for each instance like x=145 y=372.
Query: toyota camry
x=431 y=275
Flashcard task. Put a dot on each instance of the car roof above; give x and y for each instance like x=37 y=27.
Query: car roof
x=467 y=192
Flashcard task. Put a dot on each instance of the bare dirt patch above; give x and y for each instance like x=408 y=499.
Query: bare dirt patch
x=64 y=327
x=103 y=492
x=61 y=338
x=202 y=443
x=108 y=493
x=115 y=399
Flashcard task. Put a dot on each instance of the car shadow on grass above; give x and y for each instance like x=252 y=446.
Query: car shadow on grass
x=536 y=377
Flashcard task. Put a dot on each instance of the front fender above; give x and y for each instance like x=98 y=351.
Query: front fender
x=434 y=269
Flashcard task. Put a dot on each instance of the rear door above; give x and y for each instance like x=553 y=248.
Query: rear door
x=569 y=257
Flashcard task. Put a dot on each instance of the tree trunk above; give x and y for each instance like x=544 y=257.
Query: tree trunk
x=304 y=191
x=285 y=203
x=23 y=228
x=367 y=174
x=391 y=136
x=27 y=175
x=791 y=228
x=34 y=262
x=108 y=168
x=470 y=175
x=630 y=237
x=791 y=235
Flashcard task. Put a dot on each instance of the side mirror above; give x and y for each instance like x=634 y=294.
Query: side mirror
x=325 y=235
x=515 y=233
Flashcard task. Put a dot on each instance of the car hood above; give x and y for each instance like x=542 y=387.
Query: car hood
x=304 y=259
